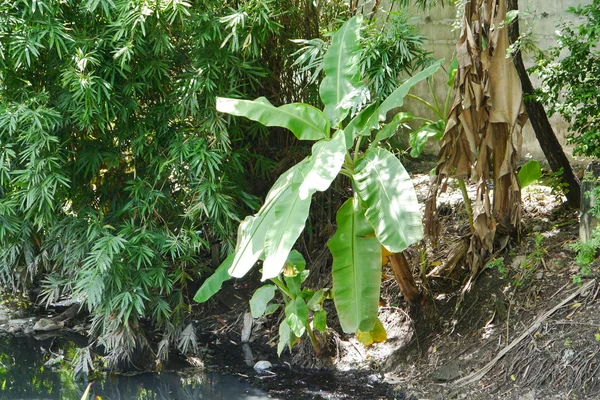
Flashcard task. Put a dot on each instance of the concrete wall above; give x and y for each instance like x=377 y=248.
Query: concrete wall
x=543 y=15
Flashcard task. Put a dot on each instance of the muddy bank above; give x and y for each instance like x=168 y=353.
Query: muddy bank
x=524 y=330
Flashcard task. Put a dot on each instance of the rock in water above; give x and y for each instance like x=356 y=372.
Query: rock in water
x=263 y=365
x=45 y=325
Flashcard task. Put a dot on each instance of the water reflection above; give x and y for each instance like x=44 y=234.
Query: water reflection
x=33 y=368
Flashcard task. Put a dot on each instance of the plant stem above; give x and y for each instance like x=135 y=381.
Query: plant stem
x=357 y=148
x=426 y=103
x=282 y=287
x=313 y=340
x=435 y=100
x=463 y=190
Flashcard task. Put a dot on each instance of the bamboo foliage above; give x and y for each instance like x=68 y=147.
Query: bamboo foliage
x=482 y=140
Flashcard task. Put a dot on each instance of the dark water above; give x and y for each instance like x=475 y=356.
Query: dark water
x=26 y=373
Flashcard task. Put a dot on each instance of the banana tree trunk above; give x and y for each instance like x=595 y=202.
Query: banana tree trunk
x=404 y=277
x=482 y=140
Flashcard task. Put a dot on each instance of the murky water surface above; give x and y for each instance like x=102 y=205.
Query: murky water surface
x=38 y=368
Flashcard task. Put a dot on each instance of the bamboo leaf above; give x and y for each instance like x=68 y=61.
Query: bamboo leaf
x=356 y=268
x=341 y=64
x=261 y=297
x=305 y=121
x=214 y=282
x=387 y=191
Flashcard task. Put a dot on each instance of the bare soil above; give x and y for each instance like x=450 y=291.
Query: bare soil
x=509 y=318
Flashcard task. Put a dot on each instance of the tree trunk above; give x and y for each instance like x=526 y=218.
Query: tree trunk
x=539 y=120
x=404 y=277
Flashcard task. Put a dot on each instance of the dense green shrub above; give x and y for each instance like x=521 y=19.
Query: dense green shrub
x=116 y=172
x=571 y=84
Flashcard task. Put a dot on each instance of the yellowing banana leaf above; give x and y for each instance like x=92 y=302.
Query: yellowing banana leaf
x=342 y=70
x=305 y=121
x=291 y=211
x=214 y=282
x=384 y=255
x=377 y=335
x=356 y=268
x=387 y=191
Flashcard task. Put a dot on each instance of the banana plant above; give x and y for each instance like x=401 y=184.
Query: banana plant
x=304 y=312
x=382 y=212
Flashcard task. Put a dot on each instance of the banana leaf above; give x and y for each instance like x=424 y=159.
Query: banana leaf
x=291 y=211
x=356 y=268
x=305 y=121
x=387 y=191
x=213 y=283
x=341 y=64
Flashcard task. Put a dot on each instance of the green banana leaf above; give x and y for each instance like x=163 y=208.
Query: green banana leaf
x=341 y=64
x=296 y=260
x=419 y=138
x=261 y=297
x=286 y=337
x=291 y=211
x=214 y=282
x=368 y=119
x=357 y=126
x=305 y=121
x=320 y=321
x=316 y=300
x=296 y=316
x=387 y=191
x=396 y=99
x=390 y=128
x=529 y=173
x=356 y=268
x=252 y=231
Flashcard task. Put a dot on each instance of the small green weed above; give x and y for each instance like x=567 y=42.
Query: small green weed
x=558 y=187
x=498 y=264
x=532 y=262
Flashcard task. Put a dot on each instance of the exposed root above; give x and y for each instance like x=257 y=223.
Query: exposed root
x=476 y=376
